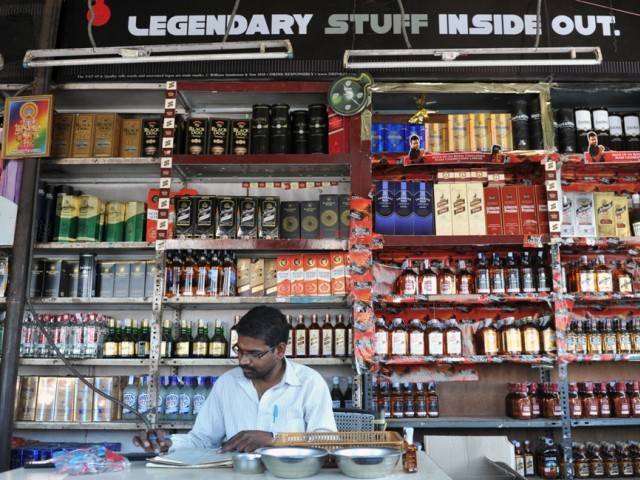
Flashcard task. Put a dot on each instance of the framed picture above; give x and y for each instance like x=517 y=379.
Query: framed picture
x=27 y=126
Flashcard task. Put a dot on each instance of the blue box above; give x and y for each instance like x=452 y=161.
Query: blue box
x=422 y=217
x=396 y=140
x=403 y=209
x=378 y=137
x=384 y=203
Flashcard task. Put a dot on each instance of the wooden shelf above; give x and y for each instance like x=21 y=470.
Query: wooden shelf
x=325 y=244
x=431 y=241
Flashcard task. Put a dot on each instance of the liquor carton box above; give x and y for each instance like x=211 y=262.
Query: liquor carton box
x=344 y=211
x=460 y=213
x=89 y=218
x=153 y=199
x=106 y=279
x=130 y=137
x=257 y=277
x=323 y=265
x=422 y=208
x=151 y=137
x=567 y=228
x=36 y=280
x=476 y=208
x=458 y=132
x=65 y=406
x=437 y=137
x=70 y=278
x=403 y=208
x=106 y=138
x=104 y=410
x=605 y=214
x=134 y=221
x=528 y=214
x=69 y=215
x=150 y=282
x=443 y=207
x=204 y=217
x=137 y=279
x=290 y=220
x=310 y=275
x=62 y=134
x=45 y=404
x=510 y=210
x=270 y=277
x=240 y=137
x=309 y=219
x=54 y=281
x=283 y=269
x=121 y=279
x=83 y=133
x=584 y=217
x=196 y=136
x=185 y=213
x=339 y=129
x=501 y=131
x=225 y=220
x=384 y=204
x=269 y=220
x=243 y=268
x=219 y=134
x=84 y=402
x=297 y=276
x=542 y=208
x=338 y=272
x=27 y=397
x=621 y=206
x=329 y=216
x=114 y=223
x=247 y=221
x=481 y=132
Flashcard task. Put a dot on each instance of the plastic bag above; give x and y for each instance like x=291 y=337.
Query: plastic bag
x=89 y=461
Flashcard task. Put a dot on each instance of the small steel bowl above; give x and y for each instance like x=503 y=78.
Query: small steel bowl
x=293 y=462
x=248 y=463
x=367 y=462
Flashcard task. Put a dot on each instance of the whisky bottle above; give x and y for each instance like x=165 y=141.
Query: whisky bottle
x=229 y=276
x=416 y=337
x=382 y=343
x=183 y=343
x=350 y=337
x=453 y=338
x=168 y=276
x=289 y=352
x=623 y=283
x=188 y=270
x=407 y=282
x=202 y=274
x=315 y=333
x=446 y=279
x=527 y=276
x=199 y=344
x=340 y=337
x=497 y=275
x=127 y=342
x=483 y=285
x=233 y=336
x=435 y=338
x=301 y=339
x=166 y=343
x=465 y=279
x=177 y=273
x=327 y=337
x=218 y=346
x=543 y=280
x=399 y=340
x=111 y=343
x=604 y=277
x=512 y=274
x=428 y=280
x=586 y=276
x=215 y=274
x=143 y=340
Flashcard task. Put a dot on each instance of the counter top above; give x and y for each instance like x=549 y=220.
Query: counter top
x=427 y=469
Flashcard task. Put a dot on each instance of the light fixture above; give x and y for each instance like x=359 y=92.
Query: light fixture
x=449 y=57
x=67 y=57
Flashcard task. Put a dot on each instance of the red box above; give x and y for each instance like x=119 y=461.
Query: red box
x=153 y=197
x=338 y=133
x=283 y=267
x=510 y=210
x=323 y=262
x=310 y=275
x=528 y=214
x=297 y=276
x=542 y=208
x=338 y=272
x=493 y=210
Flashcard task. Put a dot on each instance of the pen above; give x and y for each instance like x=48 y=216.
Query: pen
x=275 y=413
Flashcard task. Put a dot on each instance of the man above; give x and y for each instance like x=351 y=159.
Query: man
x=595 y=151
x=415 y=152
x=265 y=395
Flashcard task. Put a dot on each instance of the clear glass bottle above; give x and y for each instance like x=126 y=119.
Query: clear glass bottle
x=382 y=343
x=416 y=338
x=399 y=338
x=465 y=278
x=188 y=280
x=543 y=280
x=527 y=276
x=410 y=455
x=453 y=338
x=446 y=279
x=202 y=267
x=604 y=277
x=435 y=338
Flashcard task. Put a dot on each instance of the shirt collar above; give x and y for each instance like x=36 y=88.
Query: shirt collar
x=290 y=375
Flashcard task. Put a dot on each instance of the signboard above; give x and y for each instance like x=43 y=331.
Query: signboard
x=321 y=32
x=27 y=126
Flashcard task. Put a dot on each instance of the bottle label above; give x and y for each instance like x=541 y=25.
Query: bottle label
x=446 y=285
x=615 y=126
x=217 y=349
x=327 y=342
x=605 y=408
x=605 y=282
x=624 y=282
x=583 y=120
x=213 y=288
x=542 y=281
x=416 y=343
x=129 y=399
x=409 y=410
x=595 y=343
x=198 y=402
x=627 y=468
x=349 y=341
x=531 y=340
x=382 y=343
x=398 y=408
x=631 y=125
x=143 y=403
x=482 y=281
x=314 y=343
x=341 y=344
x=513 y=280
x=583 y=470
x=436 y=343
x=610 y=343
x=141 y=349
x=624 y=342
x=434 y=407
x=233 y=339
x=185 y=404
x=410 y=285
x=429 y=285
x=581 y=344
x=335 y=404
x=601 y=120
x=182 y=349
x=465 y=285
x=111 y=349
x=529 y=468
x=587 y=282
x=398 y=343
x=598 y=469
x=165 y=349
x=202 y=282
x=171 y=404
x=498 y=282
x=454 y=343
x=301 y=343
x=126 y=349
x=636 y=228
x=421 y=407
x=490 y=342
x=200 y=349
x=624 y=409
x=549 y=340
x=188 y=282
x=513 y=341
x=520 y=465
x=570 y=346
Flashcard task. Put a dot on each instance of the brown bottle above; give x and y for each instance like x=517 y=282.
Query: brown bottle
x=428 y=280
x=623 y=337
x=548 y=334
x=453 y=338
x=596 y=464
x=446 y=280
x=410 y=455
x=407 y=282
x=529 y=464
x=327 y=345
x=586 y=276
x=315 y=342
x=609 y=338
x=466 y=282
x=521 y=402
x=536 y=410
x=416 y=338
x=622 y=280
x=399 y=338
x=382 y=343
x=511 y=337
x=301 y=339
x=605 y=407
x=433 y=405
x=582 y=343
x=590 y=403
x=620 y=401
x=487 y=338
x=551 y=402
x=575 y=403
x=594 y=338
x=633 y=393
x=530 y=337
x=189 y=277
x=611 y=465
x=397 y=401
x=604 y=277
x=571 y=339
x=340 y=336
x=580 y=461
x=635 y=334
x=289 y=352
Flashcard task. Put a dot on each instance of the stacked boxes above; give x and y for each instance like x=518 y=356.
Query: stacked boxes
x=313 y=275
x=601 y=214
x=404 y=208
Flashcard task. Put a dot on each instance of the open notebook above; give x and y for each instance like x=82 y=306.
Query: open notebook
x=192 y=458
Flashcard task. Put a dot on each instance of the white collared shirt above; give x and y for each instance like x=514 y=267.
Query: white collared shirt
x=301 y=402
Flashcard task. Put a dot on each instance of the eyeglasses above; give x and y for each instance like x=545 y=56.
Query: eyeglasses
x=251 y=355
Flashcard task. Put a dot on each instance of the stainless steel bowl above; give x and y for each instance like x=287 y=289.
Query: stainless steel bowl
x=248 y=463
x=293 y=462
x=367 y=462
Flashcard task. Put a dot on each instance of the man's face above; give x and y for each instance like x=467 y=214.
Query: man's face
x=256 y=358
x=415 y=144
x=593 y=140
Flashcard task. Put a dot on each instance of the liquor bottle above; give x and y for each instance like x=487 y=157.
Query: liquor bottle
x=433 y=403
x=594 y=338
x=166 y=343
x=119 y=333
x=483 y=284
x=202 y=274
x=340 y=337
x=497 y=275
x=622 y=280
x=608 y=337
x=229 y=276
x=315 y=337
x=111 y=342
x=623 y=337
x=143 y=340
x=183 y=343
x=582 y=343
x=289 y=352
x=127 y=342
x=428 y=280
x=218 y=346
x=526 y=274
x=543 y=280
x=177 y=273
x=382 y=343
x=420 y=401
x=168 y=276
x=453 y=338
x=446 y=279
x=397 y=401
x=337 y=399
x=399 y=340
x=465 y=279
x=634 y=214
x=416 y=337
x=130 y=398
x=586 y=276
x=199 y=344
x=301 y=339
x=188 y=282
x=172 y=399
x=233 y=336
x=410 y=455
x=583 y=127
x=348 y=394
x=407 y=282
x=327 y=332
x=215 y=274
x=435 y=338
x=604 y=277
x=350 y=337
x=512 y=274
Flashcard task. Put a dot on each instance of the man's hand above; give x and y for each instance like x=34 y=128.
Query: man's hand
x=248 y=441
x=153 y=441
